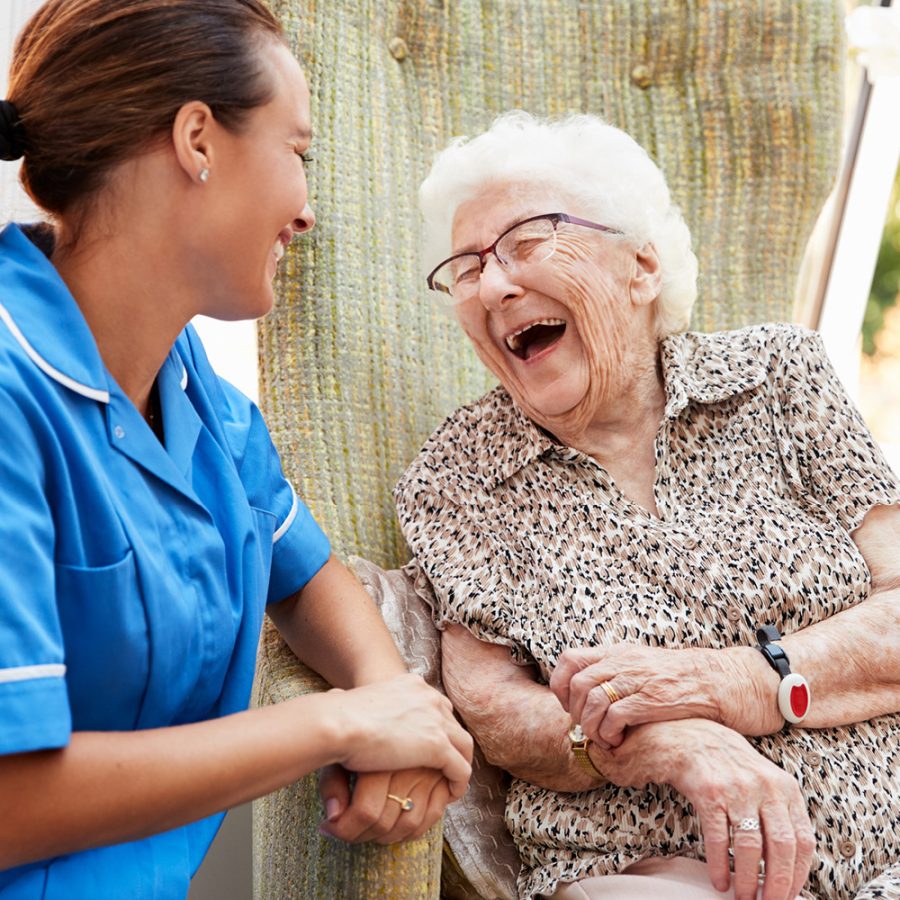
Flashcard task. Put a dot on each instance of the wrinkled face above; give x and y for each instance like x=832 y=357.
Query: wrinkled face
x=553 y=333
x=259 y=190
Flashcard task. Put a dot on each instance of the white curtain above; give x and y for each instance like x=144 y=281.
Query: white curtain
x=14 y=205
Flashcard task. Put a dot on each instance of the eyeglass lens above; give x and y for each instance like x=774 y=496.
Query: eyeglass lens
x=527 y=243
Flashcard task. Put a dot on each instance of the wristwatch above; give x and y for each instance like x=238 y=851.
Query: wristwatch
x=580 y=752
x=794 y=697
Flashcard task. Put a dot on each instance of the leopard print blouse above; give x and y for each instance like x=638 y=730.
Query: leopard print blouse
x=763 y=470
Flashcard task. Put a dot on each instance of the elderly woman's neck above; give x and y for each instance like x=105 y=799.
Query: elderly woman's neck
x=624 y=425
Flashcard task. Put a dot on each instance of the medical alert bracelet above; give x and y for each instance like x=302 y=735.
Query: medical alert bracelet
x=794 y=696
x=580 y=752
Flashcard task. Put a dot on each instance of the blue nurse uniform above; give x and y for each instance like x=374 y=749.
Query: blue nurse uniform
x=133 y=576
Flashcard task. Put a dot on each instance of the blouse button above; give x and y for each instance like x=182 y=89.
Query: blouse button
x=734 y=614
x=813 y=759
x=119 y=432
x=689 y=543
x=847 y=849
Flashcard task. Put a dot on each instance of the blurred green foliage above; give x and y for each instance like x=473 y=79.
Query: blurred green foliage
x=886 y=280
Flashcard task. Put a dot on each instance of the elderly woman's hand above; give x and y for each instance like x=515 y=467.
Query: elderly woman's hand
x=729 y=784
x=734 y=687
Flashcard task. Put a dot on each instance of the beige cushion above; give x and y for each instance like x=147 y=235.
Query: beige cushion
x=473 y=826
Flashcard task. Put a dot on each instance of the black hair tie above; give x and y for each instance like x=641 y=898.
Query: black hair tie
x=12 y=146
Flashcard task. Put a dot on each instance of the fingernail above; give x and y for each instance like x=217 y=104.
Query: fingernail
x=332 y=809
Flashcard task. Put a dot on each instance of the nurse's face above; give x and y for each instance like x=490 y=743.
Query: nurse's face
x=259 y=194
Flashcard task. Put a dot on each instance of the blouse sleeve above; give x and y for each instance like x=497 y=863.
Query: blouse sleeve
x=34 y=705
x=829 y=452
x=473 y=576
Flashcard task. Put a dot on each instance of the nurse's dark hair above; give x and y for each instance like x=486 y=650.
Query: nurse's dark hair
x=95 y=82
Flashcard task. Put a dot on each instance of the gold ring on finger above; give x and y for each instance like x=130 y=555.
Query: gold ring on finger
x=406 y=803
x=610 y=692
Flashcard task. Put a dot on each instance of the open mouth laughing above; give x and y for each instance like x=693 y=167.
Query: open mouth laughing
x=535 y=337
x=281 y=244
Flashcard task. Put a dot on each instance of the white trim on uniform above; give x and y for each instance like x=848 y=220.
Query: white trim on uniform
x=44 y=366
x=287 y=522
x=29 y=673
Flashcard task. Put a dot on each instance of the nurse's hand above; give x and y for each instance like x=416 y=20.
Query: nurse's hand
x=398 y=724
x=370 y=812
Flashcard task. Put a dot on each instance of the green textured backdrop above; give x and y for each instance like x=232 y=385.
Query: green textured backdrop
x=737 y=100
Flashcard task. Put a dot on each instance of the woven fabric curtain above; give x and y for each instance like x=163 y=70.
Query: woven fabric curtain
x=738 y=101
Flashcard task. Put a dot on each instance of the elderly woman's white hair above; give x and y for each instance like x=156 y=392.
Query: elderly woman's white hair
x=611 y=176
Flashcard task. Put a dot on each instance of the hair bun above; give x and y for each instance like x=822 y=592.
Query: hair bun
x=11 y=144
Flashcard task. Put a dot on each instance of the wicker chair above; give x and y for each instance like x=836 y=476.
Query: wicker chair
x=739 y=101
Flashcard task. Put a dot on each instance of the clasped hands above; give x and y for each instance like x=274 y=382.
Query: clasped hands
x=407 y=759
x=372 y=808
x=655 y=685
x=702 y=702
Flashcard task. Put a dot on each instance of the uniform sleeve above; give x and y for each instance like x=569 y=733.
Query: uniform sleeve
x=475 y=579
x=34 y=705
x=300 y=547
x=829 y=452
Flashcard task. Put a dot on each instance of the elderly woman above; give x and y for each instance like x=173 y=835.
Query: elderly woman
x=684 y=544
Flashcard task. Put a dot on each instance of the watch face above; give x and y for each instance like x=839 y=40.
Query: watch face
x=576 y=735
x=794 y=698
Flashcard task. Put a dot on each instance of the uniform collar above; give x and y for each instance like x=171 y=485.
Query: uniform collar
x=44 y=318
x=702 y=368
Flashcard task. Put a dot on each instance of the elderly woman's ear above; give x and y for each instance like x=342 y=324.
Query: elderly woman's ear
x=647 y=278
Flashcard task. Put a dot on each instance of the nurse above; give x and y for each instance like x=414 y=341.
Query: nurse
x=145 y=521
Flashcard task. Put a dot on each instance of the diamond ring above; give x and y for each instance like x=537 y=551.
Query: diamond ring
x=406 y=803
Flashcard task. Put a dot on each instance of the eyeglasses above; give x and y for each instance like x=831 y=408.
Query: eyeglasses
x=523 y=244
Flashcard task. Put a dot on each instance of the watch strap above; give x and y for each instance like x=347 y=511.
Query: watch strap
x=583 y=760
x=775 y=655
x=794 y=697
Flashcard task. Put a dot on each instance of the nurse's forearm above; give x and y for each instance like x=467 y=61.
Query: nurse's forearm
x=334 y=627
x=111 y=787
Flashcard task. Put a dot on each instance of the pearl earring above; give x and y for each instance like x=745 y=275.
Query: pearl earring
x=204 y=175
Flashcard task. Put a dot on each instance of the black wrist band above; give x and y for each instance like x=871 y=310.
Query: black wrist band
x=775 y=656
x=794 y=696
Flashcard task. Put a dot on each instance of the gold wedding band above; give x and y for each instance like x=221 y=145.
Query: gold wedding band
x=610 y=691
x=406 y=803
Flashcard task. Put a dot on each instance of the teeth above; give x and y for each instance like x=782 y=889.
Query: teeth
x=512 y=340
x=278 y=250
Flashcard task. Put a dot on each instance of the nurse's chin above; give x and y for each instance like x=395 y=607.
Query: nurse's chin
x=261 y=305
